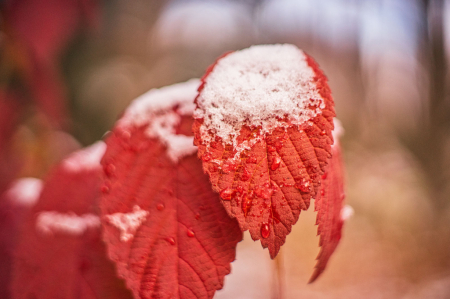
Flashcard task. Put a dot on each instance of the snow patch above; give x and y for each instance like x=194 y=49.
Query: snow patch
x=338 y=131
x=179 y=146
x=156 y=109
x=163 y=99
x=128 y=223
x=70 y=223
x=86 y=159
x=25 y=191
x=257 y=87
x=347 y=212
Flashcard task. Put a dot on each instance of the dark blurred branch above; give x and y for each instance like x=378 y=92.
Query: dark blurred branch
x=429 y=142
x=437 y=65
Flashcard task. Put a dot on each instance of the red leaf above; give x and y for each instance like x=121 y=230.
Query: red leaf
x=263 y=127
x=330 y=210
x=164 y=227
x=60 y=253
x=46 y=26
x=48 y=91
x=10 y=109
x=42 y=30
x=15 y=203
x=9 y=115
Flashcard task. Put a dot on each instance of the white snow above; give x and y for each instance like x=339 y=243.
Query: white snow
x=156 y=109
x=128 y=223
x=158 y=100
x=51 y=222
x=347 y=212
x=338 y=131
x=87 y=158
x=163 y=127
x=179 y=146
x=257 y=86
x=25 y=191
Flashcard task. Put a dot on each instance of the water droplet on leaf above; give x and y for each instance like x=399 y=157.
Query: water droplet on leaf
x=126 y=134
x=190 y=233
x=265 y=230
x=226 y=193
x=105 y=189
x=275 y=163
x=109 y=169
x=247 y=202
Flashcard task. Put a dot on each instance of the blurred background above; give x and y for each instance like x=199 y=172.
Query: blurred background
x=68 y=68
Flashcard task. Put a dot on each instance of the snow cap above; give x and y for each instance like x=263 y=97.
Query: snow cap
x=156 y=109
x=85 y=159
x=260 y=87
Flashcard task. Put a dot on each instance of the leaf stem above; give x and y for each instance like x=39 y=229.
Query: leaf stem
x=278 y=276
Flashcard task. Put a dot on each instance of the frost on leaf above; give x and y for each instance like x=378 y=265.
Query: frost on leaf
x=331 y=213
x=89 y=158
x=163 y=225
x=160 y=111
x=128 y=223
x=50 y=222
x=263 y=127
x=60 y=253
x=24 y=191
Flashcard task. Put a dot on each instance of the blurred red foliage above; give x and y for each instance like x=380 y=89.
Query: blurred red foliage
x=38 y=32
x=63 y=256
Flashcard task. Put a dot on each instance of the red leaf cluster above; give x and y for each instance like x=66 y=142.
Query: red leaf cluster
x=60 y=253
x=167 y=230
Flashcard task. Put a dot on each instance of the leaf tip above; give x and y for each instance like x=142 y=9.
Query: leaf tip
x=315 y=275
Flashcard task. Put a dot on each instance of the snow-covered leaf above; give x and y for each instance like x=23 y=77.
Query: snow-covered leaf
x=263 y=126
x=163 y=225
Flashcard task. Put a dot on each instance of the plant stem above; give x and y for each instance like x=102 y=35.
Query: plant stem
x=278 y=276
